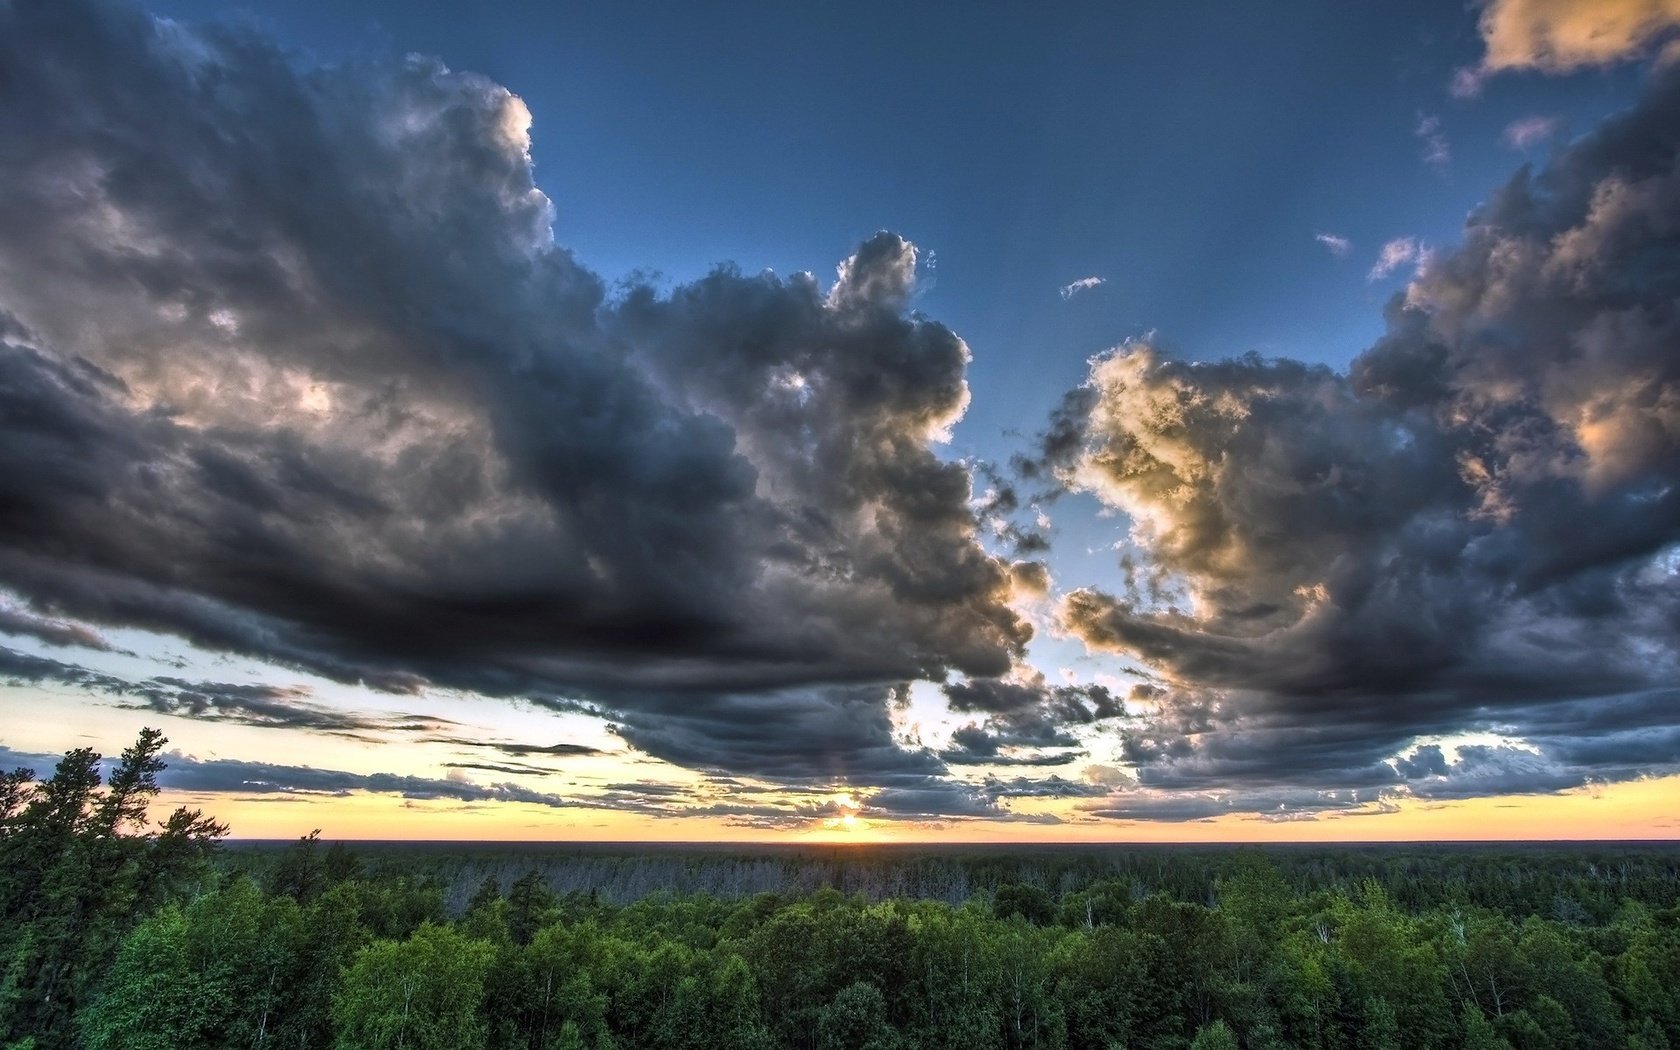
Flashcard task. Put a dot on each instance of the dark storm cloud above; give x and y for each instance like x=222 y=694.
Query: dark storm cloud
x=1024 y=713
x=997 y=507
x=976 y=745
x=1032 y=695
x=1049 y=787
x=817 y=734
x=1427 y=761
x=1476 y=527
x=290 y=367
x=1492 y=770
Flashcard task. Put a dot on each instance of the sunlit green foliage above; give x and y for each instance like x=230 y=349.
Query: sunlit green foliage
x=425 y=992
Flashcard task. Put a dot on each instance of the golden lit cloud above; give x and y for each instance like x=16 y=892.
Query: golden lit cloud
x=1560 y=36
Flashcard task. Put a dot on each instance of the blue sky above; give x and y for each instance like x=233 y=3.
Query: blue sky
x=706 y=531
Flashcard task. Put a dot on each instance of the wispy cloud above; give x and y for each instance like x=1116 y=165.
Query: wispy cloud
x=513 y=770
x=1398 y=252
x=1084 y=284
x=1530 y=131
x=1466 y=82
x=1339 y=246
x=1436 y=152
x=516 y=750
x=260 y=705
x=184 y=772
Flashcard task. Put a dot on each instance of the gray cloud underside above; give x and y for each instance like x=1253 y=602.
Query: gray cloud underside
x=1049 y=787
x=1024 y=716
x=54 y=632
x=1476 y=527
x=185 y=773
x=290 y=367
x=249 y=704
x=25 y=668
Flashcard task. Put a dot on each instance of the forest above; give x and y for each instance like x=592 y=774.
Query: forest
x=116 y=932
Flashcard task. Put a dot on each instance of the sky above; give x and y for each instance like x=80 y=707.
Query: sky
x=1122 y=423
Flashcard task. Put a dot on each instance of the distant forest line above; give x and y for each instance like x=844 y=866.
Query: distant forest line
x=116 y=933
x=1573 y=880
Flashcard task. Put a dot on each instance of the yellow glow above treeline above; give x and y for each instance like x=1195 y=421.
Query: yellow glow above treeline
x=1636 y=810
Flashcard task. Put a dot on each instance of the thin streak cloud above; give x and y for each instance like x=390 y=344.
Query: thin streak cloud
x=1084 y=284
x=1336 y=245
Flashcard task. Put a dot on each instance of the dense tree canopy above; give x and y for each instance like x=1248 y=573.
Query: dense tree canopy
x=79 y=866
x=121 y=935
